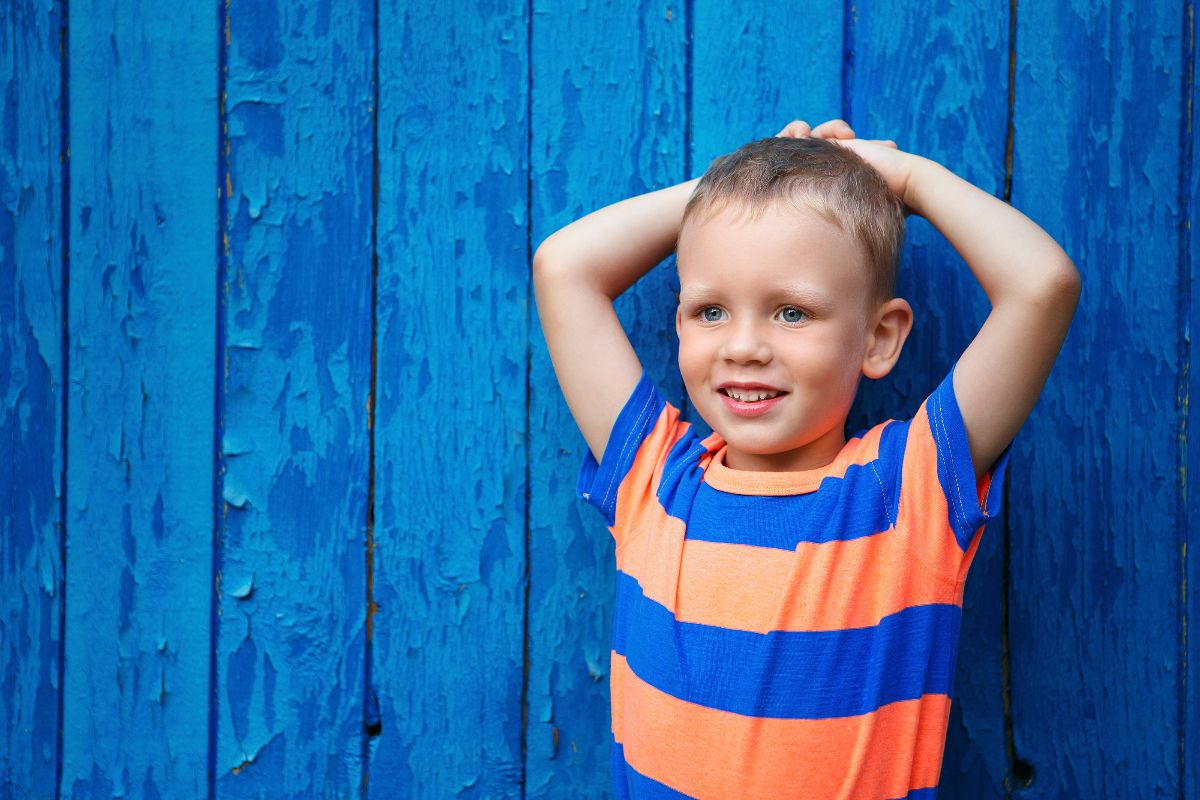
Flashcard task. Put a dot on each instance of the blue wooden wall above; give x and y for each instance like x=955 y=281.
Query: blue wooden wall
x=286 y=479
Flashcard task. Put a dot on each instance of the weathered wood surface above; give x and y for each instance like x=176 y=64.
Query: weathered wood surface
x=295 y=323
x=288 y=484
x=139 y=466
x=1099 y=519
x=32 y=371
x=450 y=425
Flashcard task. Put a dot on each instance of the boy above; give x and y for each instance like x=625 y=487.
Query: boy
x=789 y=601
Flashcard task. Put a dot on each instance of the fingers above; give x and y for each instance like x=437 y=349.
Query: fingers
x=796 y=129
x=833 y=129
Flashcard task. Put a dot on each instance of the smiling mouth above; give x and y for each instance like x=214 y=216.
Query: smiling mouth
x=750 y=395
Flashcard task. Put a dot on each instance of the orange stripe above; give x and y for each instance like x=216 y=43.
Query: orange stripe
x=856 y=453
x=708 y=753
x=636 y=493
x=858 y=582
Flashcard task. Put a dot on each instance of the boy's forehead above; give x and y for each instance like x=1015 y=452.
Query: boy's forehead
x=780 y=225
x=801 y=252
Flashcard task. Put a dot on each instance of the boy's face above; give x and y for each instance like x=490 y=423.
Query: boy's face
x=780 y=302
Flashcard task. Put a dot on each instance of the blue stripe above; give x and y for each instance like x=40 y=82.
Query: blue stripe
x=681 y=475
x=893 y=442
x=788 y=674
x=629 y=784
x=841 y=509
x=921 y=794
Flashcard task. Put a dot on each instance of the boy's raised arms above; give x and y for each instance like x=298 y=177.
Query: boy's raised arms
x=1030 y=281
x=579 y=271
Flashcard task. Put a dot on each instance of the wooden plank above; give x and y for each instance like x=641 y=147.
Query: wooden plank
x=608 y=122
x=295 y=389
x=936 y=84
x=1189 y=405
x=32 y=370
x=1095 y=599
x=450 y=446
x=739 y=94
x=139 y=491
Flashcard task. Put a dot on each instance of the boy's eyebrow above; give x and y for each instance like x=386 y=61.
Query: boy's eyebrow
x=793 y=291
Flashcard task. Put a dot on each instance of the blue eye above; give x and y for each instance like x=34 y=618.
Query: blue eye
x=792 y=314
x=707 y=317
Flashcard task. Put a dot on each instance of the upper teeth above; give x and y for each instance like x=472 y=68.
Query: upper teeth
x=750 y=396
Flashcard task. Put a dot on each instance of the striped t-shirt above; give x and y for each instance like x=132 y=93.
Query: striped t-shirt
x=786 y=634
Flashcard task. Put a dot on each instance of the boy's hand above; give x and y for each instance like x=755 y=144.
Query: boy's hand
x=895 y=165
x=833 y=129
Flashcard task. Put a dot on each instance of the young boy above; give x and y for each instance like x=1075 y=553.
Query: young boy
x=789 y=600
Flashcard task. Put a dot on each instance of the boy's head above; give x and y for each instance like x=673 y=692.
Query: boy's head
x=787 y=268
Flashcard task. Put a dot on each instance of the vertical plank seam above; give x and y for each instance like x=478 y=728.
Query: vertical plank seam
x=1182 y=390
x=214 y=629
x=371 y=712
x=64 y=158
x=849 y=28
x=1010 y=754
x=529 y=300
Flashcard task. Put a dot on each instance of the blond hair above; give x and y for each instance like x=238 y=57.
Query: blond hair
x=832 y=180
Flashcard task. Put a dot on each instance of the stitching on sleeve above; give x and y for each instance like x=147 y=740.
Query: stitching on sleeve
x=633 y=431
x=887 y=503
x=962 y=511
x=683 y=460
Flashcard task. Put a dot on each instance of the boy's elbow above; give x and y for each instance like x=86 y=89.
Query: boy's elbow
x=1060 y=284
x=544 y=259
x=1066 y=282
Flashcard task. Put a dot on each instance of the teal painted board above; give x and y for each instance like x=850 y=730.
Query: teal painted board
x=295 y=387
x=450 y=431
x=31 y=385
x=608 y=122
x=1094 y=604
x=788 y=66
x=1189 y=404
x=935 y=83
x=740 y=94
x=140 y=418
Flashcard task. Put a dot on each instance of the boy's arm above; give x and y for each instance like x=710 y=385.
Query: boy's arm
x=1031 y=282
x=578 y=272
x=1033 y=287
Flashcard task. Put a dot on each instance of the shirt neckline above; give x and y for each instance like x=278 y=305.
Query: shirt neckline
x=756 y=482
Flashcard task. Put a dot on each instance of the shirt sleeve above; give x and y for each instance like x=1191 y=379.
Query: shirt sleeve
x=938 y=507
x=642 y=435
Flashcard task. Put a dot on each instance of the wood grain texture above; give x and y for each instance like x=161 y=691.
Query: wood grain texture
x=296 y=381
x=1095 y=598
x=140 y=431
x=756 y=67
x=1188 y=404
x=608 y=121
x=32 y=369
x=935 y=81
x=450 y=428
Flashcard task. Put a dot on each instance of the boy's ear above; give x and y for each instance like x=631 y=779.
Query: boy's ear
x=678 y=319
x=886 y=334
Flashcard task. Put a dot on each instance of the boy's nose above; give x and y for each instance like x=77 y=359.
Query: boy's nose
x=746 y=344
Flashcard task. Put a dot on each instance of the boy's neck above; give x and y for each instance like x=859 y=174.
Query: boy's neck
x=816 y=454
